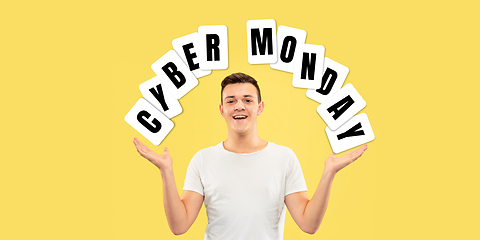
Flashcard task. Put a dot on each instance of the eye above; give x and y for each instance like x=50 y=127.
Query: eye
x=230 y=101
x=248 y=101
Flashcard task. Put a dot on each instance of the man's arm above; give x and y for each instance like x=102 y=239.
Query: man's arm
x=308 y=213
x=180 y=212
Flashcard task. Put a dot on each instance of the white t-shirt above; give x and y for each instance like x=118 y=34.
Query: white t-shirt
x=245 y=192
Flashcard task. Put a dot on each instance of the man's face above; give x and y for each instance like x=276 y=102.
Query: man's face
x=240 y=107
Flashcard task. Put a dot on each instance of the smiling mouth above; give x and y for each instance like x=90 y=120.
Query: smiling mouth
x=239 y=117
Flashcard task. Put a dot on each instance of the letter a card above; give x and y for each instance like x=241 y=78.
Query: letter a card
x=340 y=107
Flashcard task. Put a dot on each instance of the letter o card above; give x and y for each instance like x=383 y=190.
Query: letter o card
x=308 y=66
x=159 y=96
x=262 y=41
x=187 y=48
x=174 y=74
x=340 y=107
x=354 y=132
x=334 y=74
x=149 y=122
x=288 y=40
x=213 y=47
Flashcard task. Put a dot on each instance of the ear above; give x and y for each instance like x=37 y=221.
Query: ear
x=221 y=109
x=261 y=106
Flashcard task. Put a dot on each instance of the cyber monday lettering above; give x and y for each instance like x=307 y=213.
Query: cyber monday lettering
x=196 y=55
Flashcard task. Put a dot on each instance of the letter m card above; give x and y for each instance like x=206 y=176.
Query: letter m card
x=262 y=41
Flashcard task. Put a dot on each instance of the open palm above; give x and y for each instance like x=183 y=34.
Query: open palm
x=335 y=164
x=161 y=161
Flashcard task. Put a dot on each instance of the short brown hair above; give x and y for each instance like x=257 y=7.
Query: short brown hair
x=240 y=78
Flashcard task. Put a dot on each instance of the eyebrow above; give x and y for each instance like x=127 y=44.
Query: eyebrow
x=234 y=96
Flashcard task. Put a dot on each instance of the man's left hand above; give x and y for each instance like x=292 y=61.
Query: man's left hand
x=335 y=164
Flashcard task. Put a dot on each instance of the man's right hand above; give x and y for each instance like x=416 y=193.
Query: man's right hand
x=180 y=212
x=163 y=162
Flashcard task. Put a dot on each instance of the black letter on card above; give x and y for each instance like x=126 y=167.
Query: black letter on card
x=190 y=56
x=152 y=128
x=352 y=132
x=158 y=94
x=171 y=70
x=341 y=106
x=326 y=84
x=308 y=66
x=262 y=43
x=213 y=41
x=283 y=53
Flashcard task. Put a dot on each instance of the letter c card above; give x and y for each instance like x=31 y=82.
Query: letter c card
x=149 y=122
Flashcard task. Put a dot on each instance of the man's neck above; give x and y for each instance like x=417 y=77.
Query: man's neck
x=244 y=143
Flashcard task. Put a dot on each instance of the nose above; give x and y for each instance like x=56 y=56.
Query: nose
x=239 y=106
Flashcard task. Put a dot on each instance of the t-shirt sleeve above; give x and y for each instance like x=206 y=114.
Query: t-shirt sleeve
x=295 y=181
x=193 y=181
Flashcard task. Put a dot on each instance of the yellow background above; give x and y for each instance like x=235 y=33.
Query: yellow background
x=70 y=72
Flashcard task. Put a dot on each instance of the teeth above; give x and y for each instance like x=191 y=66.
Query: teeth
x=238 y=117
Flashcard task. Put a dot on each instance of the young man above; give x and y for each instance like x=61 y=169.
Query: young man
x=245 y=181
